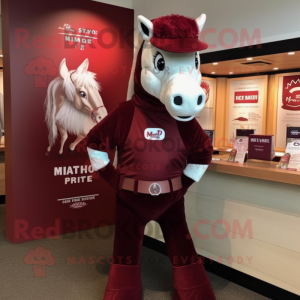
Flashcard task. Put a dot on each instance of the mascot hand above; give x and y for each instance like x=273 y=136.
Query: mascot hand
x=98 y=159
x=186 y=183
x=97 y=163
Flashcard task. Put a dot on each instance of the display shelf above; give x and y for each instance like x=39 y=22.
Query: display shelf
x=259 y=169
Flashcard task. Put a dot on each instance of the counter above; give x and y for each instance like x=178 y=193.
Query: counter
x=247 y=217
x=259 y=169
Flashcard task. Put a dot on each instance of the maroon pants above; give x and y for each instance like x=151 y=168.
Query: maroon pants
x=134 y=211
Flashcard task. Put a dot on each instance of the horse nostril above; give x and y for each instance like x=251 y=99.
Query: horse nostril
x=199 y=100
x=178 y=100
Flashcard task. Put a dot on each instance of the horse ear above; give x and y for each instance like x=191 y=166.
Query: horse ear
x=201 y=21
x=63 y=70
x=145 y=28
x=83 y=67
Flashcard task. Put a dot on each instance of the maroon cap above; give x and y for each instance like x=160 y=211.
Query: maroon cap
x=177 y=33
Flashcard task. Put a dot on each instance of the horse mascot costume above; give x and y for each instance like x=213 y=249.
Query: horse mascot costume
x=162 y=150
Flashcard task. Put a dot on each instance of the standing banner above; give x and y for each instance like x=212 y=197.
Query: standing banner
x=66 y=64
x=246 y=105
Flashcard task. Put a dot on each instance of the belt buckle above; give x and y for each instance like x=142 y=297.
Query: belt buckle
x=154 y=189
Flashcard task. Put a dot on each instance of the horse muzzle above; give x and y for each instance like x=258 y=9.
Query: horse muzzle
x=184 y=98
x=98 y=113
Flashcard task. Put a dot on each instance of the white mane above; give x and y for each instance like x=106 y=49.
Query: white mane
x=71 y=119
x=50 y=108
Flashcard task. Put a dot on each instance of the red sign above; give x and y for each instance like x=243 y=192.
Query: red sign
x=246 y=97
x=291 y=93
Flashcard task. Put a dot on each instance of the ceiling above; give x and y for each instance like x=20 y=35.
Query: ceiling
x=258 y=64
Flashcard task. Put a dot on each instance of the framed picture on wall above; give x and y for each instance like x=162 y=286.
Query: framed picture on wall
x=286 y=106
x=206 y=117
x=246 y=106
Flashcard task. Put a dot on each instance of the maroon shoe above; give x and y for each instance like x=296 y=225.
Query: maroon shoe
x=191 y=283
x=124 y=283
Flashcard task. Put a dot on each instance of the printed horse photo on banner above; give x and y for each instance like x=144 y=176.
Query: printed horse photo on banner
x=73 y=105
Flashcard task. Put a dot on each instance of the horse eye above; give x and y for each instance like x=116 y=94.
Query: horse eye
x=159 y=62
x=196 y=61
x=45 y=68
x=83 y=94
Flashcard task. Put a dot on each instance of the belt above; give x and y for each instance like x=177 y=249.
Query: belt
x=153 y=188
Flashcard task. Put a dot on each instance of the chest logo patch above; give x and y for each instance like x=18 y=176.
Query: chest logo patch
x=156 y=134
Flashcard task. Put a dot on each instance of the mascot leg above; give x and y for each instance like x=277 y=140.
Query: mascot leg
x=124 y=282
x=191 y=282
x=189 y=276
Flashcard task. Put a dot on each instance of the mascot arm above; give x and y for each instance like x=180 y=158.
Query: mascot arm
x=195 y=171
x=200 y=156
x=101 y=139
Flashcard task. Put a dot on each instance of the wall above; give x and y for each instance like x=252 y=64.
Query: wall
x=122 y=3
x=277 y=20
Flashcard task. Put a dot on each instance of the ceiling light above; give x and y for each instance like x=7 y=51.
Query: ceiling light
x=215 y=64
x=291 y=53
x=1 y=55
x=275 y=68
x=249 y=58
x=230 y=72
x=213 y=72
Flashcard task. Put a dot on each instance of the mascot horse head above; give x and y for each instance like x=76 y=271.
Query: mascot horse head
x=170 y=63
x=167 y=65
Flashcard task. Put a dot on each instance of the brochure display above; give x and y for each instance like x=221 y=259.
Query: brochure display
x=284 y=161
x=245 y=106
x=239 y=151
x=292 y=134
x=291 y=159
x=288 y=106
x=211 y=135
x=244 y=132
x=261 y=147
